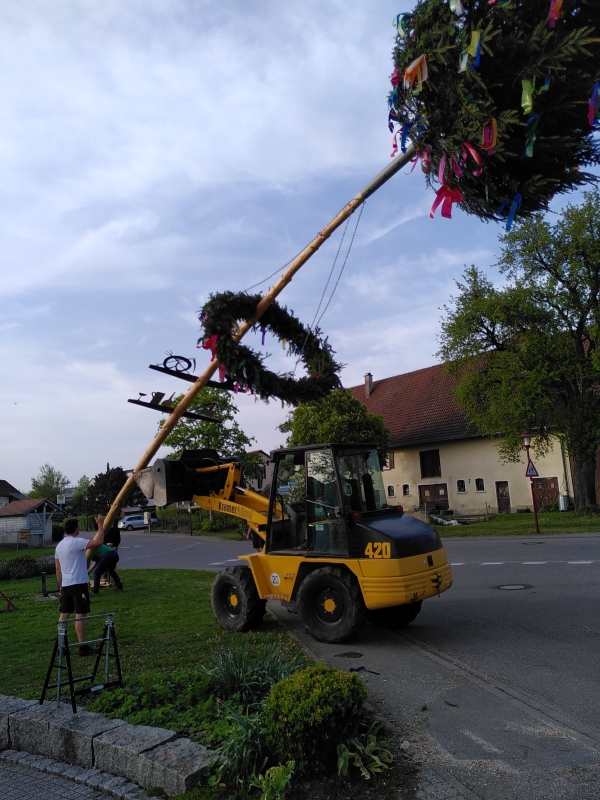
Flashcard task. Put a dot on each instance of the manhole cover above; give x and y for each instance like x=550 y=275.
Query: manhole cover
x=514 y=587
x=349 y=655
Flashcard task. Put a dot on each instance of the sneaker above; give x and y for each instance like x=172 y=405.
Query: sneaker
x=85 y=650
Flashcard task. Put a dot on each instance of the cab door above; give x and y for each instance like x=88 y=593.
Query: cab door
x=326 y=527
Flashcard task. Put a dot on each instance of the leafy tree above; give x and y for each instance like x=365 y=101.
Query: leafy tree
x=48 y=483
x=225 y=436
x=77 y=503
x=105 y=487
x=526 y=354
x=339 y=417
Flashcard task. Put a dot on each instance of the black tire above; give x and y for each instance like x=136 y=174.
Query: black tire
x=330 y=605
x=235 y=601
x=395 y=616
x=129 y=528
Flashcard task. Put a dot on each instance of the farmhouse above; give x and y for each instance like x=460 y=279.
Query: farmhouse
x=437 y=457
x=27 y=521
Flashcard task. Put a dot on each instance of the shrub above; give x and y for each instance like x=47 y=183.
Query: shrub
x=365 y=753
x=307 y=714
x=24 y=567
x=243 y=753
x=275 y=781
x=239 y=671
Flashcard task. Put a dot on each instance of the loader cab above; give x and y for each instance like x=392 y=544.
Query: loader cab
x=316 y=490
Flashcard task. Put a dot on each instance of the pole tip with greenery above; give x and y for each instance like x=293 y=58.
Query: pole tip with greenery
x=500 y=98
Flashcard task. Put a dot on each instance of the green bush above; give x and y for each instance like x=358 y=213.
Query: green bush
x=4 y=570
x=310 y=712
x=274 y=784
x=238 y=671
x=243 y=752
x=24 y=567
x=180 y=701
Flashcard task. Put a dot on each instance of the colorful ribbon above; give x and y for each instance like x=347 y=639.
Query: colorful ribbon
x=474 y=50
x=594 y=109
x=417 y=71
x=447 y=196
x=222 y=371
x=556 y=12
x=527 y=95
x=469 y=150
x=457 y=7
x=211 y=344
x=530 y=135
x=490 y=136
x=516 y=204
x=402 y=24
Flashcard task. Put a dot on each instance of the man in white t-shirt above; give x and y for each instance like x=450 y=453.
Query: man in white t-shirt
x=72 y=576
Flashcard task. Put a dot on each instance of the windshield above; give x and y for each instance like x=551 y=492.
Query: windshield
x=360 y=480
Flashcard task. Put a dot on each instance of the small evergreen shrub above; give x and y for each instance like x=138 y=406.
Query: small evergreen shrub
x=24 y=567
x=309 y=713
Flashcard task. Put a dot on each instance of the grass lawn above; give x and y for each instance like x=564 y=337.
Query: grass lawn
x=164 y=623
x=523 y=525
x=35 y=552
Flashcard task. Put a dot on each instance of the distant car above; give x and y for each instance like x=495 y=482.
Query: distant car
x=133 y=521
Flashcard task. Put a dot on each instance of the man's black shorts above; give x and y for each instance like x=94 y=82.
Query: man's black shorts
x=75 y=598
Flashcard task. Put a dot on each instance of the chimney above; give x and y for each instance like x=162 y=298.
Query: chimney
x=368 y=384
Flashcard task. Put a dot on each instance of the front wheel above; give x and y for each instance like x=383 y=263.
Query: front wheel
x=235 y=601
x=395 y=616
x=330 y=605
x=129 y=528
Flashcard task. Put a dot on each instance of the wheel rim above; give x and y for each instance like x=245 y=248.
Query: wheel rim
x=231 y=602
x=328 y=607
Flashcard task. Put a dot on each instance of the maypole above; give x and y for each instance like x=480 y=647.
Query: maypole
x=266 y=301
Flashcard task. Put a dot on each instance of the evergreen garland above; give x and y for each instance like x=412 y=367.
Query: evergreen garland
x=245 y=367
x=527 y=68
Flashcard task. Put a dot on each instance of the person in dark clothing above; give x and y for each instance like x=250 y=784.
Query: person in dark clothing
x=113 y=537
x=106 y=559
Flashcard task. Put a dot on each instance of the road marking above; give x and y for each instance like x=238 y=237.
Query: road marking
x=492 y=563
x=138 y=545
x=232 y=559
x=125 y=548
x=216 y=564
x=457 y=564
x=534 y=562
x=580 y=562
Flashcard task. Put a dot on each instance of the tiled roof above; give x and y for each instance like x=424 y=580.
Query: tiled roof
x=21 y=507
x=417 y=408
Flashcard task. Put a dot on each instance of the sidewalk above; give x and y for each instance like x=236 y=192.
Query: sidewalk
x=21 y=782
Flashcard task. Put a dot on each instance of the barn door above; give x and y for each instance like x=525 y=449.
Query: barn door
x=503 y=497
x=435 y=496
x=545 y=492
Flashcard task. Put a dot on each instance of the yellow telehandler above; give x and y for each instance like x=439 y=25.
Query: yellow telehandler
x=334 y=551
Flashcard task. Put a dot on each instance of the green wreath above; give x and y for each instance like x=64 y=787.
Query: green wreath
x=245 y=368
x=503 y=107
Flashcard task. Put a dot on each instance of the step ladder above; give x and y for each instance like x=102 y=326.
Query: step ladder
x=62 y=663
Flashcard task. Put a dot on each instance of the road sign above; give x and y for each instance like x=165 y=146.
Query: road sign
x=531 y=471
x=60 y=499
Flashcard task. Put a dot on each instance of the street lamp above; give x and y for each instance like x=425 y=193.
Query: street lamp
x=531 y=473
x=86 y=513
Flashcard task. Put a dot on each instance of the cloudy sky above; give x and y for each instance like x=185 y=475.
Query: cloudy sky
x=154 y=151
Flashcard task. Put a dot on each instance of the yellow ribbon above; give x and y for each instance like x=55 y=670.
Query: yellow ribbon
x=416 y=71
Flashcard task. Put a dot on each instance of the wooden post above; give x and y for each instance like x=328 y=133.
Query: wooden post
x=262 y=306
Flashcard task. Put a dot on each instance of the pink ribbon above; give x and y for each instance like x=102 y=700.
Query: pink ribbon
x=556 y=12
x=211 y=344
x=469 y=150
x=447 y=196
x=222 y=371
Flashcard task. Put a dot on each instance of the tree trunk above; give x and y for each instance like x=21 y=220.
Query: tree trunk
x=584 y=476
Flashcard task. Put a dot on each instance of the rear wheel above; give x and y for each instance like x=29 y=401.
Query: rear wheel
x=330 y=605
x=395 y=616
x=129 y=528
x=235 y=601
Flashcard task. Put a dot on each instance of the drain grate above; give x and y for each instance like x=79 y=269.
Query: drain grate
x=514 y=587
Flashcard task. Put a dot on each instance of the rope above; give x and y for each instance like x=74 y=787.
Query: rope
x=343 y=265
x=312 y=324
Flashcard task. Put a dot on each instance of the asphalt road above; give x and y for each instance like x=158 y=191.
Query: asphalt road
x=499 y=687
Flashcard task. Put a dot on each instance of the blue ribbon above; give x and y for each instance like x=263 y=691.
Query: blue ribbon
x=475 y=63
x=516 y=204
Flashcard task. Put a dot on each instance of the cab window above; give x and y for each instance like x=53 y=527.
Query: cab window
x=360 y=480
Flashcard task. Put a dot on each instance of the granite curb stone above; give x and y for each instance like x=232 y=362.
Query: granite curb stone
x=118 y=750
x=175 y=766
x=8 y=706
x=72 y=739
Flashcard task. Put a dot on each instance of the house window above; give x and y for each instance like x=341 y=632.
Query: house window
x=405 y=489
x=391 y=491
x=430 y=464
x=389 y=464
x=479 y=485
x=461 y=487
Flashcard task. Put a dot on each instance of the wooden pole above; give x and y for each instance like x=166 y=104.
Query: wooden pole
x=262 y=306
